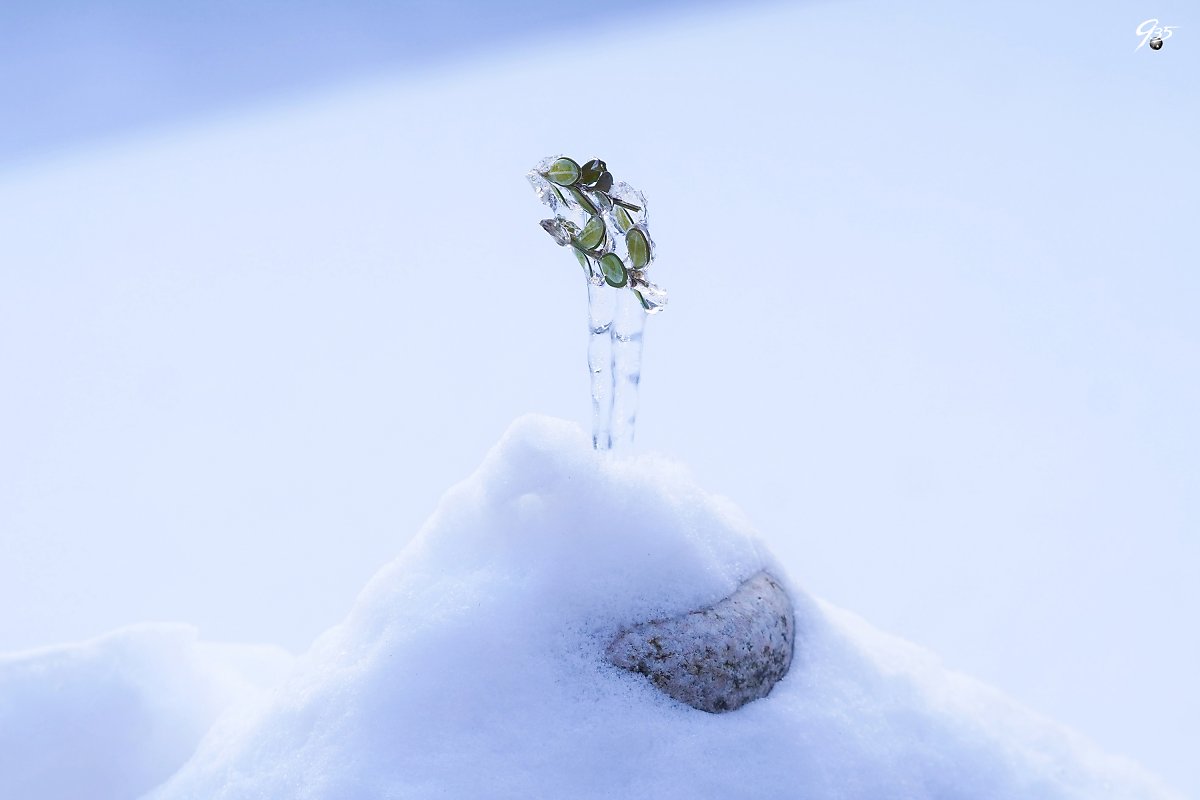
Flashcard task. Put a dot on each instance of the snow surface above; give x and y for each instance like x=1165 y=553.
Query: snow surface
x=114 y=717
x=472 y=666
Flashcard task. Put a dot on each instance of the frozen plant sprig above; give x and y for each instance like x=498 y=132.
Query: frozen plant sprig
x=594 y=216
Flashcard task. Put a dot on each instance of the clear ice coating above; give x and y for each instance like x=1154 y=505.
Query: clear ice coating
x=617 y=309
x=559 y=230
x=653 y=298
x=600 y=362
x=628 y=327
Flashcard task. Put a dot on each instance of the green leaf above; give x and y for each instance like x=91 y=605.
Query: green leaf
x=583 y=262
x=614 y=270
x=624 y=221
x=639 y=248
x=584 y=203
x=593 y=233
x=591 y=171
x=564 y=172
x=604 y=182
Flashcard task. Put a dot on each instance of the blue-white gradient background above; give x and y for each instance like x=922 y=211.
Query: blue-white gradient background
x=271 y=280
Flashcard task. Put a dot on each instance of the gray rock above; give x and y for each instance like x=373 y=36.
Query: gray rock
x=718 y=658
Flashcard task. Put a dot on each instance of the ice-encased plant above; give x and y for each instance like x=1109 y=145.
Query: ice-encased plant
x=604 y=224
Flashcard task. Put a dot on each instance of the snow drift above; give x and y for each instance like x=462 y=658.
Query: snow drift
x=473 y=666
x=112 y=718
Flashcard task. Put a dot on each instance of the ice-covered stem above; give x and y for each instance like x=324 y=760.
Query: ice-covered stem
x=628 y=327
x=596 y=218
x=601 y=361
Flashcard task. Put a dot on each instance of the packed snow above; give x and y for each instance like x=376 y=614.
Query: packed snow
x=472 y=666
x=112 y=718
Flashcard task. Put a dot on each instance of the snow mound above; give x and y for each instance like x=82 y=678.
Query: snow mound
x=115 y=716
x=473 y=666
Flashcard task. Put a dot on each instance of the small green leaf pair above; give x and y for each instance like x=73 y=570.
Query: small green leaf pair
x=639 y=248
x=611 y=267
x=624 y=221
x=583 y=201
x=591 y=171
x=593 y=234
x=594 y=174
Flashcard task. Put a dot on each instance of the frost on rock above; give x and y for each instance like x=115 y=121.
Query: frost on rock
x=718 y=658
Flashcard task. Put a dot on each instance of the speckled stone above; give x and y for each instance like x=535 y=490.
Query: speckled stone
x=718 y=658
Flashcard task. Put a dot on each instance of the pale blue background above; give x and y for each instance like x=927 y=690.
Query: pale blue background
x=75 y=71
